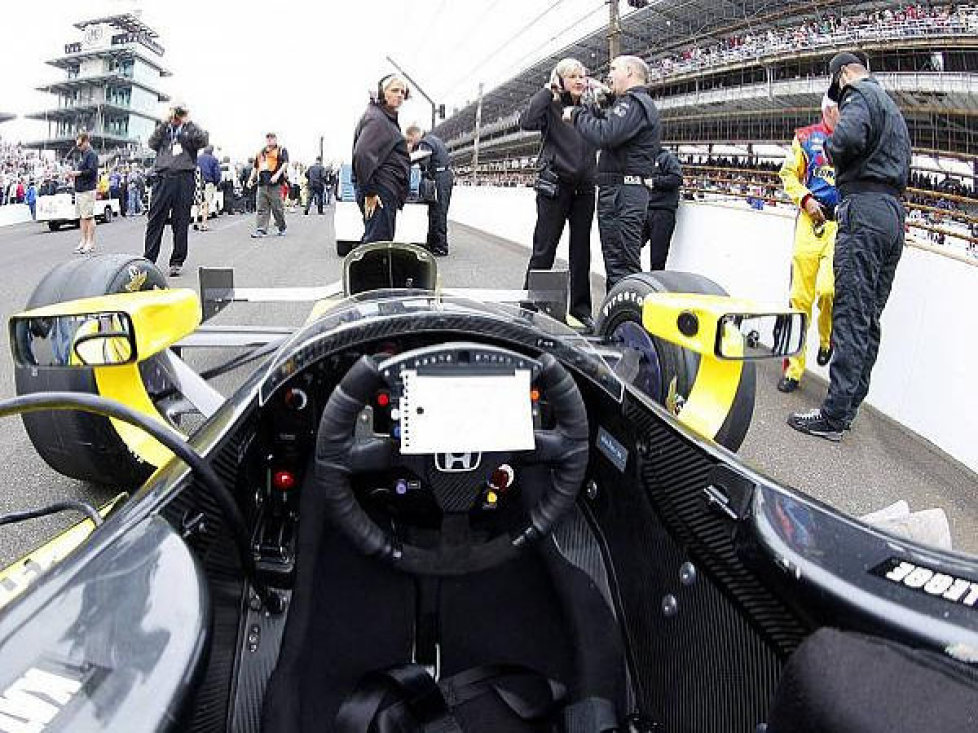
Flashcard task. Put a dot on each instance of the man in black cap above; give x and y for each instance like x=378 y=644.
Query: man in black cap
x=870 y=149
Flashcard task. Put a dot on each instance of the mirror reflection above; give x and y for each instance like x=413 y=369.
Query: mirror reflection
x=83 y=340
x=760 y=336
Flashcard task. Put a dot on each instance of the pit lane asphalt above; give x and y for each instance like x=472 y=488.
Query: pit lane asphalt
x=877 y=463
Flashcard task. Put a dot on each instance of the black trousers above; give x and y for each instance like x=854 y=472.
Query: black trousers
x=227 y=188
x=173 y=195
x=315 y=194
x=380 y=226
x=438 y=213
x=659 y=226
x=576 y=206
x=621 y=222
x=868 y=247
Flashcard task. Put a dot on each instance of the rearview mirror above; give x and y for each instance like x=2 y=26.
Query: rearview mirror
x=744 y=336
x=81 y=340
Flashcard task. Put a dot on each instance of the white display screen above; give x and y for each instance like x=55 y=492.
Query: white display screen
x=459 y=414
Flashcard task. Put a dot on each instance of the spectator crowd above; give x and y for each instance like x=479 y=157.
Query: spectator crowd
x=829 y=29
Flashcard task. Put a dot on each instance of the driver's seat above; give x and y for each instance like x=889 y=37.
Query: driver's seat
x=354 y=620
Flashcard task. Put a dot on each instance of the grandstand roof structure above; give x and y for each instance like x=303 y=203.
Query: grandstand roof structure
x=751 y=71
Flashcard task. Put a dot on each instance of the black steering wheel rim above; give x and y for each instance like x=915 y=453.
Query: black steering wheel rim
x=339 y=453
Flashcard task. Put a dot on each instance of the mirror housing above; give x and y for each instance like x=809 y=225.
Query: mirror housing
x=708 y=325
x=104 y=331
x=747 y=336
x=105 y=338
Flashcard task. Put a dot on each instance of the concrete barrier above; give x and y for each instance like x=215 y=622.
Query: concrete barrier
x=14 y=214
x=929 y=352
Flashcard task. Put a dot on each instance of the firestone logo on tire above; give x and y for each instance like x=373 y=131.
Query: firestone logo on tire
x=622 y=297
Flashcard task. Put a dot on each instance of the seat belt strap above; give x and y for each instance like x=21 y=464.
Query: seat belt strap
x=527 y=693
x=421 y=701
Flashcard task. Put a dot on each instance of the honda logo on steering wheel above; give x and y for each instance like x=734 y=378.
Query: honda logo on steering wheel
x=457 y=462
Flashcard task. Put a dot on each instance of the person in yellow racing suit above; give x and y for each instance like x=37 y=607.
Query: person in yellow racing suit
x=809 y=179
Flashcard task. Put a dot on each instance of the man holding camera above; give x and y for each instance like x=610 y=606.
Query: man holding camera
x=438 y=168
x=628 y=135
x=176 y=141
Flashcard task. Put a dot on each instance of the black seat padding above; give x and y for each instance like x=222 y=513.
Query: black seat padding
x=839 y=682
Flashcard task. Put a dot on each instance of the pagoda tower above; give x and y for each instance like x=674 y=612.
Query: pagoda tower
x=111 y=86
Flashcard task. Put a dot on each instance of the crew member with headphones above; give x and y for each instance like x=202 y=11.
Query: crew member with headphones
x=381 y=163
x=565 y=184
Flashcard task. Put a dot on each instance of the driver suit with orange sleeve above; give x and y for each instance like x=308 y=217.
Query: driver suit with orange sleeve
x=805 y=173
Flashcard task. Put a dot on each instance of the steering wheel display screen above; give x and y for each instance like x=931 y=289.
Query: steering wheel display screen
x=470 y=398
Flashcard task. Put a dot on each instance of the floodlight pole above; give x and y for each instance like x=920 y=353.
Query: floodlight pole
x=475 y=142
x=614 y=30
x=417 y=86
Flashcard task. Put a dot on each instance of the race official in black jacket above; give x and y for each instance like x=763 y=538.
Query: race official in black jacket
x=628 y=135
x=176 y=141
x=568 y=161
x=381 y=164
x=438 y=168
x=316 y=178
x=663 y=185
x=870 y=149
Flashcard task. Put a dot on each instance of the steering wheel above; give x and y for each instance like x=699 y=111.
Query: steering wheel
x=341 y=454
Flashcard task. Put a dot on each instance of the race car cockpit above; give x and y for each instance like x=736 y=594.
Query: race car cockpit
x=427 y=510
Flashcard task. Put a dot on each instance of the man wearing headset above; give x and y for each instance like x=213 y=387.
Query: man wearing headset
x=628 y=136
x=381 y=163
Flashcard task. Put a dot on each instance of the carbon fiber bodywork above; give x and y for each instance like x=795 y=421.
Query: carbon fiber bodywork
x=714 y=579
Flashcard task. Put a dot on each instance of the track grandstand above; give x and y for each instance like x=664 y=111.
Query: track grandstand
x=750 y=72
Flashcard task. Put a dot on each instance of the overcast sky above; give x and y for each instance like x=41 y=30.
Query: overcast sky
x=302 y=68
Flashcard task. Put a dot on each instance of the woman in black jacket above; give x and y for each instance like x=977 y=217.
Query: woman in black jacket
x=381 y=163
x=567 y=160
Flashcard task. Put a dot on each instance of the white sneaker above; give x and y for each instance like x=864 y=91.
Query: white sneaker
x=80 y=249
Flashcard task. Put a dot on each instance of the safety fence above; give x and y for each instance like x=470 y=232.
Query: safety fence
x=958 y=241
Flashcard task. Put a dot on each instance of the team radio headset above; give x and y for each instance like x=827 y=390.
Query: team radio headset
x=380 y=88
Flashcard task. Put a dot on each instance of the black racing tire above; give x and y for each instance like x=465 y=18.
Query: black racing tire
x=107 y=215
x=624 y=304
x=76 y=444
x=54 y=226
